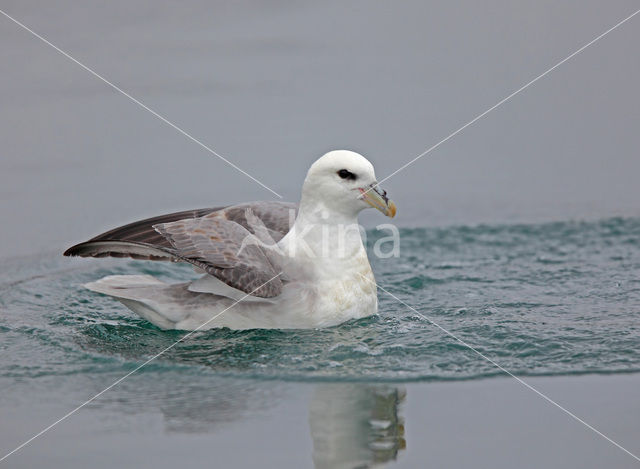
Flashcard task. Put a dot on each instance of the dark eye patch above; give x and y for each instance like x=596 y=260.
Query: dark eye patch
x=346 y=174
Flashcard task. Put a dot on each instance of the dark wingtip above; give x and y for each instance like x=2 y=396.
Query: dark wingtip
x=72 y=251
x=79 y=250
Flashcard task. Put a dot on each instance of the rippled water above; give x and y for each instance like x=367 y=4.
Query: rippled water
x=554 y=298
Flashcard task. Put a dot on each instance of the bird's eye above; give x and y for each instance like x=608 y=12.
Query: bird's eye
x=346 y=174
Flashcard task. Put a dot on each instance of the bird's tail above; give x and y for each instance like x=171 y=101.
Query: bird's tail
x=139 y=294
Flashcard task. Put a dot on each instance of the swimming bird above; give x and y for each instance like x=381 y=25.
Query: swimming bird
x=265 y=264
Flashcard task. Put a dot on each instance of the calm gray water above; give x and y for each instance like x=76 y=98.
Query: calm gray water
x=552 y=299
x=544 y=299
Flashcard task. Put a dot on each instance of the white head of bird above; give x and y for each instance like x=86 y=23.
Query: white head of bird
x=339 y=185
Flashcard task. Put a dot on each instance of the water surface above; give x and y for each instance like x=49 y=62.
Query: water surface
x=539 y=299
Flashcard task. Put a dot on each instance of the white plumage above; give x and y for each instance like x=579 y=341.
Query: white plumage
x=321 y=262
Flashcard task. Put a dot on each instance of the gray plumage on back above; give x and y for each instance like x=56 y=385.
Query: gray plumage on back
x=177 y=237
x=215 y=244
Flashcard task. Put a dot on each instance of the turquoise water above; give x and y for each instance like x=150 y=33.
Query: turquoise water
x=539 y=299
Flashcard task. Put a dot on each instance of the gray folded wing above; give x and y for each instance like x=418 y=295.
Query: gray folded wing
x=217 y=245
x=137 y=240
x=140 y=240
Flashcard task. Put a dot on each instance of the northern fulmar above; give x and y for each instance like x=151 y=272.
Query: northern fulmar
x=265 y=264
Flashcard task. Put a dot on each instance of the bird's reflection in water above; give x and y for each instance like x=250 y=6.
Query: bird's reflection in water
x=352 y=425
x=356 y=425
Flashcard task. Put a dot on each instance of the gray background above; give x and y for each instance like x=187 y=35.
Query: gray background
x=274 y=87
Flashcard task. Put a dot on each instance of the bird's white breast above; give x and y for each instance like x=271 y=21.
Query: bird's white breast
x=344 y=290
